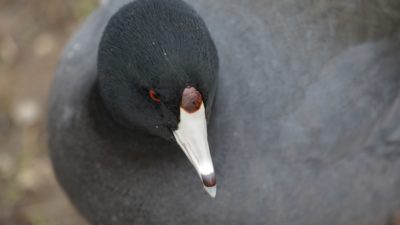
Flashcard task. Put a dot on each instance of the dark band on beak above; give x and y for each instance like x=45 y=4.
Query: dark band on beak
x=191 y=99
x=209 y=180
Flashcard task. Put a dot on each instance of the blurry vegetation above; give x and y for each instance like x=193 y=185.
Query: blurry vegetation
x=32 y=35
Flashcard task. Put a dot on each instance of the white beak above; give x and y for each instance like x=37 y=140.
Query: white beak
x=191 y=136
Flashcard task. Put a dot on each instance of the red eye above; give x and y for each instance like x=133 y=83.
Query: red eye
x=154 y=96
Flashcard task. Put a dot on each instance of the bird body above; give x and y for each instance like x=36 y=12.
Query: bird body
x=303 y=128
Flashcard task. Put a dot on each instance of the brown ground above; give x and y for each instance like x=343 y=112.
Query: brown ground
x=32 y=34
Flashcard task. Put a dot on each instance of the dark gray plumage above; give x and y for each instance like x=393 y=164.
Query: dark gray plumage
x=304 y=131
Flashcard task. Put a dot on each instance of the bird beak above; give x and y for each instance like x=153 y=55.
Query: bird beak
x=191 y=136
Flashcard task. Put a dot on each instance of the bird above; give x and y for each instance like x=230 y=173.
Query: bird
x=231 y=112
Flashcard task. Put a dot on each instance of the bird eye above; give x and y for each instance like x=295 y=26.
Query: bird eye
x=153 y=95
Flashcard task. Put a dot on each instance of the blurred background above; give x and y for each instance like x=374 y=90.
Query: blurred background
x=32 y=35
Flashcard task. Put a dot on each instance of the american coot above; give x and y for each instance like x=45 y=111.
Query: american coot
x=303 y=128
